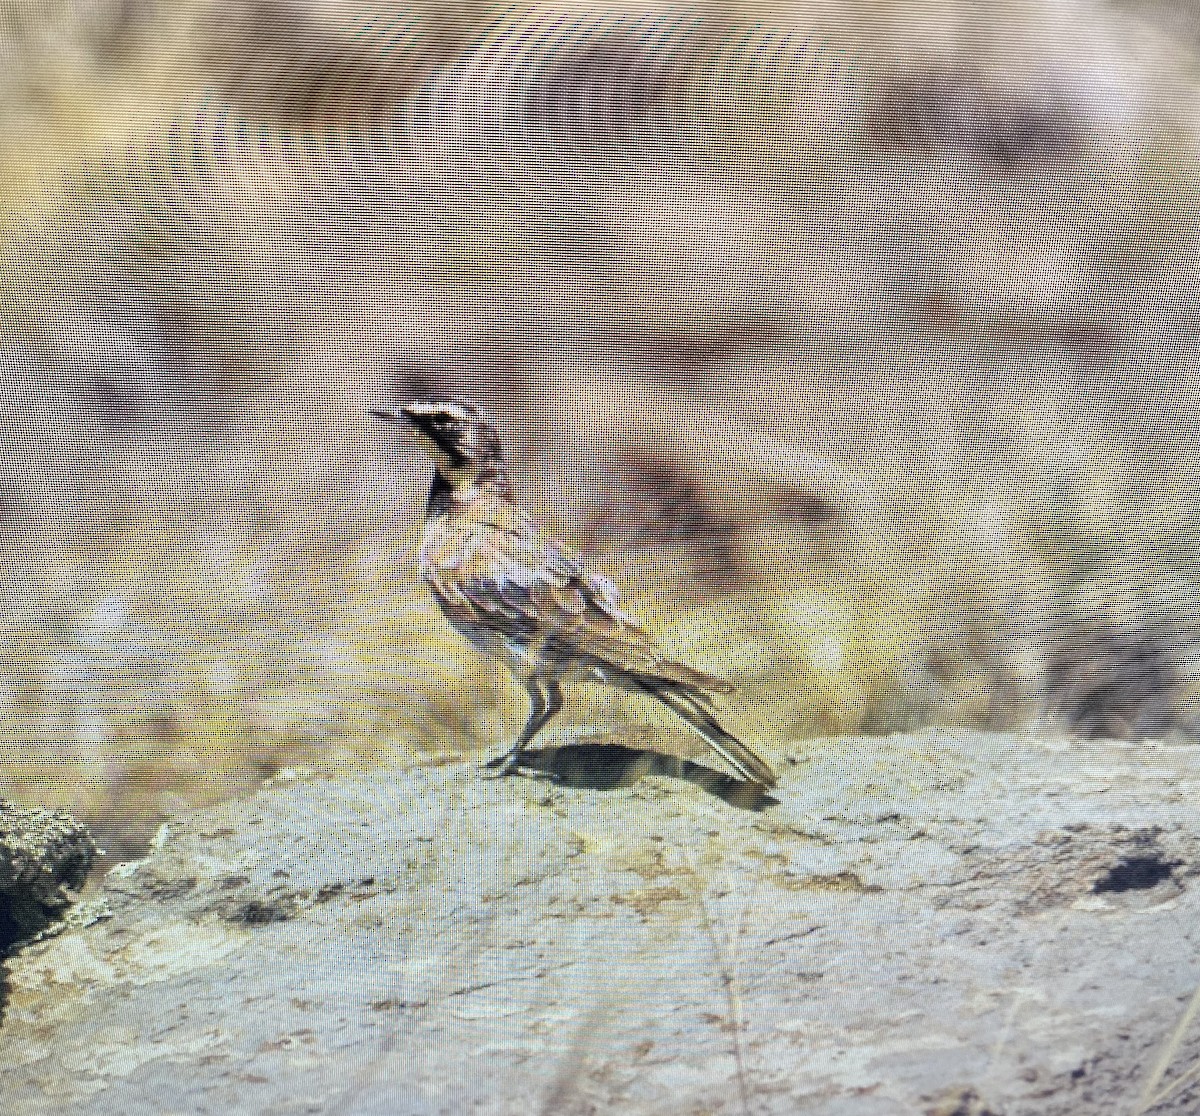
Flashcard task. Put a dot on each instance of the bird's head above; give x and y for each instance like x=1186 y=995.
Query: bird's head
x=458 y=435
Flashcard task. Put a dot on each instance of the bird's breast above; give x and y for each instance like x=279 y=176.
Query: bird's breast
x=444 y=548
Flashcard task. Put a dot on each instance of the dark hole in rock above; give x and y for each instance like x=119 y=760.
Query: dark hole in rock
x=11 y=931
x=20 y=920
x=1138 y=873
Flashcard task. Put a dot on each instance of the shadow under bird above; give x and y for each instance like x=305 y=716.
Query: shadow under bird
x=518 y=595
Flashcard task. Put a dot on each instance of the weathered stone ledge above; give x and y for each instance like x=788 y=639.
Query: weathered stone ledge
x=943 y=923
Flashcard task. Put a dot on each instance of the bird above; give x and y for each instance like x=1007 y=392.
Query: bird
x=523 y=597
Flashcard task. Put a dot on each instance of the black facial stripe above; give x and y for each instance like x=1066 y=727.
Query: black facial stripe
x=436 y=428
x=446 y=439
x=457 y=458
x=457 y=433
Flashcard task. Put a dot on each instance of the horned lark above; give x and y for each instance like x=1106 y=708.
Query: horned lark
x=522 y=597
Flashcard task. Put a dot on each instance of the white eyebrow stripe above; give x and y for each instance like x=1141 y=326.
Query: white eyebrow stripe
x=450 y=410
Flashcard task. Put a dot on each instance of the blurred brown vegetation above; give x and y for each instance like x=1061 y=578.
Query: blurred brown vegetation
x=857 y=342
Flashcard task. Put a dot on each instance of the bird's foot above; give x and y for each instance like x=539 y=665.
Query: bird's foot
x=507 y=764
x=513 y=763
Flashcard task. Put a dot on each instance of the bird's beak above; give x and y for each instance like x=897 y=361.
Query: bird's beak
x=418 y=413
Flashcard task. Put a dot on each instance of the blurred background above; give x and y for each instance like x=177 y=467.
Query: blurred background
x=859 y=342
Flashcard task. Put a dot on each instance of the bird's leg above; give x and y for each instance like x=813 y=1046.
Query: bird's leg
x=545 y=699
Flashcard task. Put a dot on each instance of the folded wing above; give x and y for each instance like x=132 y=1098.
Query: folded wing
x=500 y=571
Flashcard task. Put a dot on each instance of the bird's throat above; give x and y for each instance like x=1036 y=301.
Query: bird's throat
x=446 y=491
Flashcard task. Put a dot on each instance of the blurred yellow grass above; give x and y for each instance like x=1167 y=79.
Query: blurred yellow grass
x=162 y=675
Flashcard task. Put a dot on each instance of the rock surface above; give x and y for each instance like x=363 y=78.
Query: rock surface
x=944 y=923
x=45 y=856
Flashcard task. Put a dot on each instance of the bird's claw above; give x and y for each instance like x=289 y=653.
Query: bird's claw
x=507 y=764
x=512 y=763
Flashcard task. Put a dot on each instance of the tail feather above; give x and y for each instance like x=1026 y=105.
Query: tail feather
x=696 y=681
x=694 y=709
